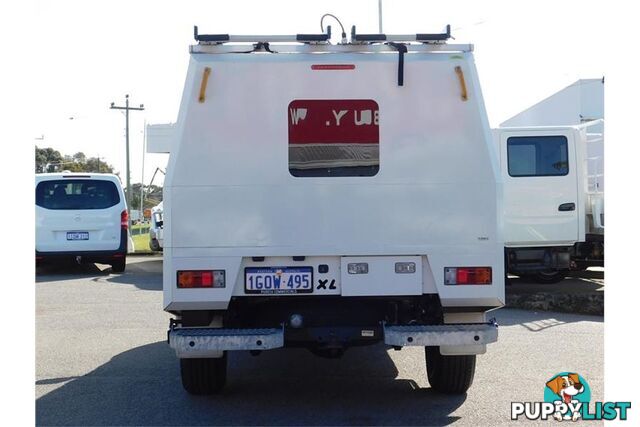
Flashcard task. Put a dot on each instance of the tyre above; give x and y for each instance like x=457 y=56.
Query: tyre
x=550 y=277
x=204 y=376
x=154 y=245
x=449 y=374
x=119 y=265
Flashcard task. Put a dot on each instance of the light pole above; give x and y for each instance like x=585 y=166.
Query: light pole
x=126 y=109
x=144 y=142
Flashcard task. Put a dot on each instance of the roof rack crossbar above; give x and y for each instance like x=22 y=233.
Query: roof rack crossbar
x=380 y=38
x=226 y=38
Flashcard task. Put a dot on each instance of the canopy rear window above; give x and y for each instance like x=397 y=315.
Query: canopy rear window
x=333 y=137
x=68 y=194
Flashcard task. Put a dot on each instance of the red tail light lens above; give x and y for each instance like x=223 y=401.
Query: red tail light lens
x=124 y=219
x=201 y=279
x=467 y=276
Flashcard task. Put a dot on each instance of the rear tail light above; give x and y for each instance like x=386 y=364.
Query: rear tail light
x=467 y=276
x=201 y=279
x=124 y=219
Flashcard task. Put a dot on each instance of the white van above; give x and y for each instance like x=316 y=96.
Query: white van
x=327 y=196
x=553 y=199
x=81 y=216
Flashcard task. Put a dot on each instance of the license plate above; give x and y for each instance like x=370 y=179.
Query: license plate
x=278 y=280
x=77 y=235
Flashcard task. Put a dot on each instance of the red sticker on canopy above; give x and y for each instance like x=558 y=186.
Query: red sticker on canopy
x=333 y=67
x=333 y=121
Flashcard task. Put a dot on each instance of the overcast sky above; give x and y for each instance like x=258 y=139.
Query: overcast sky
x=95 y=52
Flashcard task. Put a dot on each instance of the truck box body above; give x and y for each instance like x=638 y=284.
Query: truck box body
x=230 y=195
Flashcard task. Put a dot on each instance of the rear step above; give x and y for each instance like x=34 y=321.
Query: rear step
x=209 y=342
x=437 y=335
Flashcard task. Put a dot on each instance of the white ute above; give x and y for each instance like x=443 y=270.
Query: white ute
x=324 y=196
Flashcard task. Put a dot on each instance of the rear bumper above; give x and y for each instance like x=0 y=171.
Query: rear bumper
x=87 y=256
x=210 y=342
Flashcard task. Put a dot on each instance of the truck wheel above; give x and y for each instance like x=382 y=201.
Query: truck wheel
x=119 y=265
x=449 y=374
x=549 y=277
x=204 y=376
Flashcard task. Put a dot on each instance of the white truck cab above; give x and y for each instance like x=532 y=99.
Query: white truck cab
x=325 y=196
x=553 y=199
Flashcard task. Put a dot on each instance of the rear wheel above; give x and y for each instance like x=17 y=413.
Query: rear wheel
x=449 y=374
x=204 y=376
x=119 y=265
x=549 y=277
x=154 y=245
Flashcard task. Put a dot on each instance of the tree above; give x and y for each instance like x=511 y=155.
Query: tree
x=152 y=196
x=95 y=165
x=50 y=160
x=80 y=157
x=46 y=158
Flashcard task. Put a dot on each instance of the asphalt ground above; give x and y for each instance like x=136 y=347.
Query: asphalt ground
x=102 y=359
x=581 y=292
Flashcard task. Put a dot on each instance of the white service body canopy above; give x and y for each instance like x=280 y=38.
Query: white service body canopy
x=229 y=193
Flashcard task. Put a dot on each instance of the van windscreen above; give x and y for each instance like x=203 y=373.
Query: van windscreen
x=77 y=194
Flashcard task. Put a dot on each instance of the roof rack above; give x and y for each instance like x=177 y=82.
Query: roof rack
x=226 y=38
x=419 y=37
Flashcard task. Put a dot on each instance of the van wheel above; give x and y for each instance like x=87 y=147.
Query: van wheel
x=119 y=265
x=204 y=376
x=449 y=374
x=549 y=277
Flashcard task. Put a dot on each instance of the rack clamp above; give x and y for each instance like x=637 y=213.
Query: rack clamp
x=434 y=38
x=209 y=38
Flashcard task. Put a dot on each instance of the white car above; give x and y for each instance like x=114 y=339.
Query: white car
x=83 y=217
